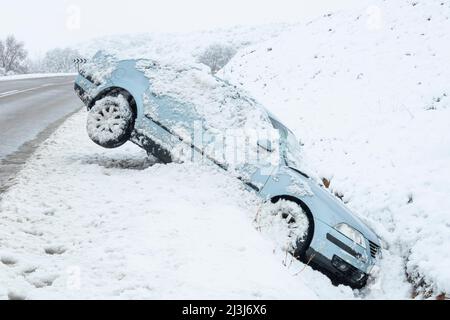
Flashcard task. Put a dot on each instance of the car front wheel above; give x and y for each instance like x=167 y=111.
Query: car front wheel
x=288 y=224
x=110 y=121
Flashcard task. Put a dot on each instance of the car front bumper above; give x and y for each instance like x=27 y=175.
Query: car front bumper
x=84 y=89
x=338 y=257
x=351 y=276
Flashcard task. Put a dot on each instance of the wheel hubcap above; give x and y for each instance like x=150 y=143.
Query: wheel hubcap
x=108 y=119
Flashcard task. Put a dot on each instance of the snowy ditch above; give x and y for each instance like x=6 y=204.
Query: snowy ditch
x=86 y=222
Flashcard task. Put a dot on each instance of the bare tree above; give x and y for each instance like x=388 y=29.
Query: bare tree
x=12 y=55
x=216 y=56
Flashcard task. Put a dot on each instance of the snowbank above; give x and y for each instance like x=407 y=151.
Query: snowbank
x=367 y=91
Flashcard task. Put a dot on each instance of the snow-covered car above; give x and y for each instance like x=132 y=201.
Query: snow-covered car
x=176 y=112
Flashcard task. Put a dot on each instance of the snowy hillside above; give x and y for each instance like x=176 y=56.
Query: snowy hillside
x=176 y=46
x=367 y=92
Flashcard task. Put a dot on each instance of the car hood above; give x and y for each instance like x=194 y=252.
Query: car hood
x=332 y=210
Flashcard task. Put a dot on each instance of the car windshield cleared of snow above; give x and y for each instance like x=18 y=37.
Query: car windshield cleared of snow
x=289 y=145
x=292 y=153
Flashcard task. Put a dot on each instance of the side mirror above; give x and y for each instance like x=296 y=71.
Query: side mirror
x=265 y=144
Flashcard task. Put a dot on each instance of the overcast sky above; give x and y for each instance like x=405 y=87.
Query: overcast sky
x=46 y=24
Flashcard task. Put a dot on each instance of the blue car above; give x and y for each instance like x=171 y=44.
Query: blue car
x=179 y=113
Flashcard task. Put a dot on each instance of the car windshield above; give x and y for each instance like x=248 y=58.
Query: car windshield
x=293 y=151
x=290 y=147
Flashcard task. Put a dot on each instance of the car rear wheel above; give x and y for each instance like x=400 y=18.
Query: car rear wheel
x=110 y=121
x=289 y=224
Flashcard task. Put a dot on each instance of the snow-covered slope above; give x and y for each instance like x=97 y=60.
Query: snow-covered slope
x=179 y=46
x=368 y=91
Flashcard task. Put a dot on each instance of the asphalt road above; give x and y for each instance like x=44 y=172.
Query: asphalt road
x=30 y=110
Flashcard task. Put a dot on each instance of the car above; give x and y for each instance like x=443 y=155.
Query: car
x=174 y=111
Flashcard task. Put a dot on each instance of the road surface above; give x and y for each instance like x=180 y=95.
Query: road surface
x=30 y=109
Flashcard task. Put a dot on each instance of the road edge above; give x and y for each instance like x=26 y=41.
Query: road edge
x=13 y=163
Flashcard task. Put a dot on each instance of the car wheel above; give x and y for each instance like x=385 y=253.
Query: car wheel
x=289 y=224
x=110 y=121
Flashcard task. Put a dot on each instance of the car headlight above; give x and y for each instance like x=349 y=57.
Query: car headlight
x=352 y=234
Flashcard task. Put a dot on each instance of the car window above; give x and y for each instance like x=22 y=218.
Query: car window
x=289 y=145
x=293 y=152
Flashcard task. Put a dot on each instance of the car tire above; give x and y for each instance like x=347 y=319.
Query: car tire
x=299 y=224
x=110 y=121
x=303 y=240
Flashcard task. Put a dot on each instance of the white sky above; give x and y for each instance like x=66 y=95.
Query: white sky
x=45 y=24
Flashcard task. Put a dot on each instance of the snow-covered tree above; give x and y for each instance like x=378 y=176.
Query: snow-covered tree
x=12 y=55
x=216 y=56
x=60 y=60
x=35 y=65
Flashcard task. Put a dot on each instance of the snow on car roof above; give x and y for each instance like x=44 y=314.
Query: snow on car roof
x=220 y=104
x=232 y=122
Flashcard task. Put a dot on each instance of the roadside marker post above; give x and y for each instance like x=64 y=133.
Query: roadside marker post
x=78 y=62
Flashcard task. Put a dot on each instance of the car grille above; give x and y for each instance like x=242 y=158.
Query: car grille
x=374 y=249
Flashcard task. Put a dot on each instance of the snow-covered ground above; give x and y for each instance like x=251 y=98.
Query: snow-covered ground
x=367 y=91
x=34 y=76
